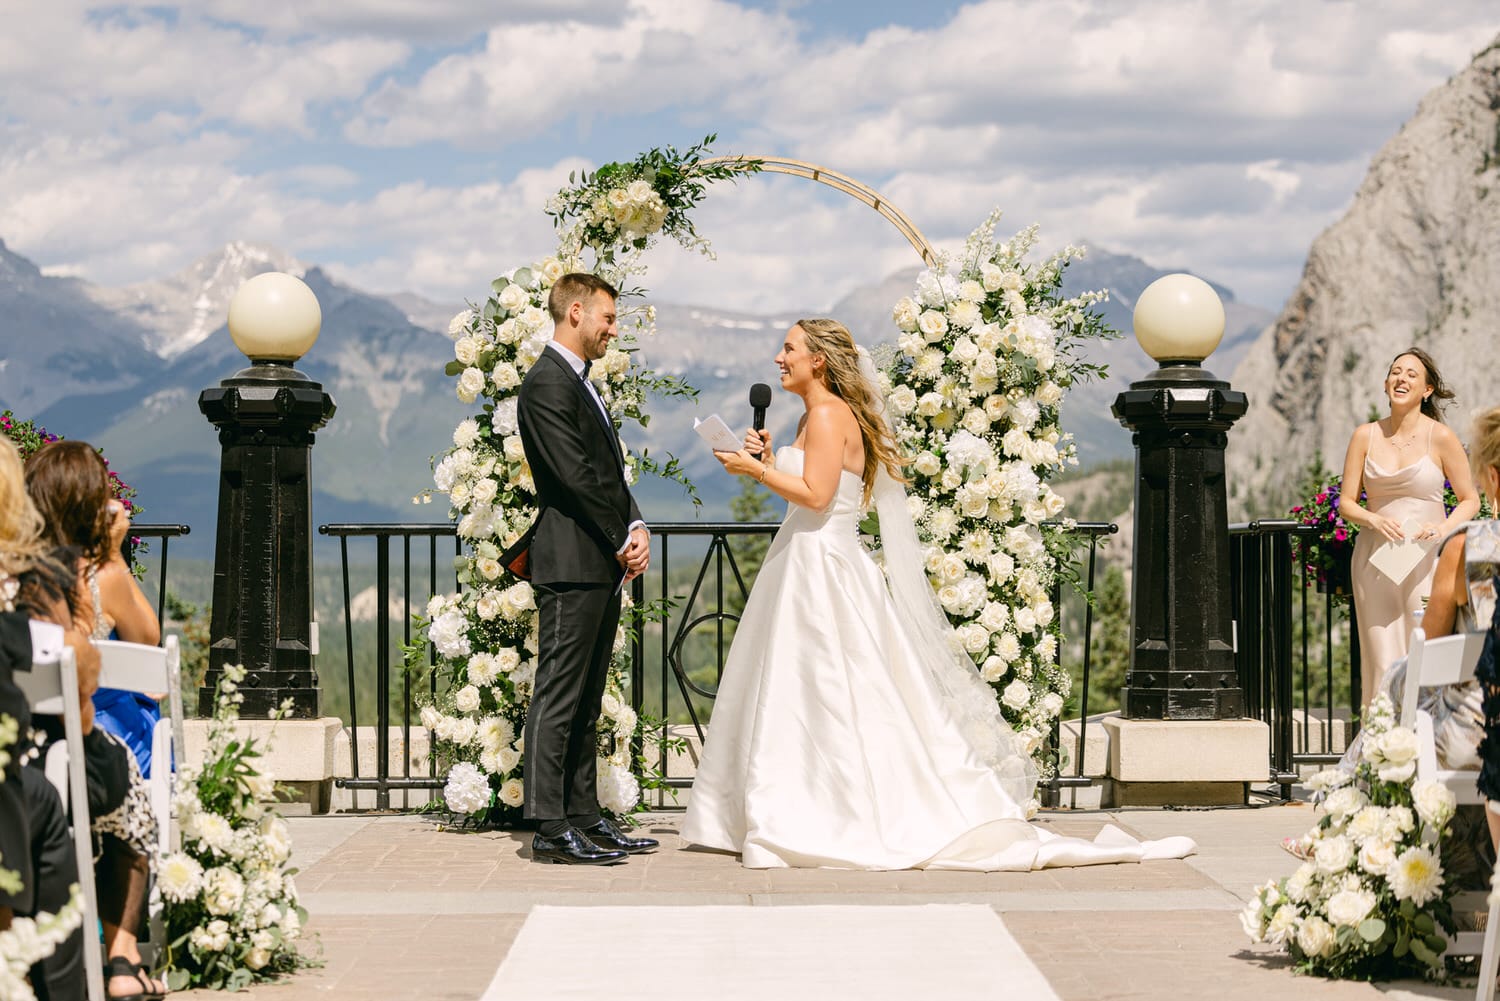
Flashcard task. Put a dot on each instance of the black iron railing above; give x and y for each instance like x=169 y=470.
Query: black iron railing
x=433 y=539
x=700 y=577
x=1280 y=665
x=1091 y=532
x=138 y=547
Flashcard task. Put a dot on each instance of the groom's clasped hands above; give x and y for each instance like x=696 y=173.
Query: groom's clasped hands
x=635 y=558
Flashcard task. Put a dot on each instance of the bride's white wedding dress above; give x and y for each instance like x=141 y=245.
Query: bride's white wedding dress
x=834 y=743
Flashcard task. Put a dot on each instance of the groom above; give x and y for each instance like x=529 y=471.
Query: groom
x=587 y=540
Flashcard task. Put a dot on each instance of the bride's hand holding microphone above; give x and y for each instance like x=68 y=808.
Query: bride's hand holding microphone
x=755 y=459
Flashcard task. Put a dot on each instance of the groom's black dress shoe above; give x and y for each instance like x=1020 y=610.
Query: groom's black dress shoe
x=572 y=848
x=607 y=834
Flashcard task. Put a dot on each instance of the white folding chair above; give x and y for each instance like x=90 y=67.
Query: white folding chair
x=136 y=667
x=1450 y=660
x=51 y=689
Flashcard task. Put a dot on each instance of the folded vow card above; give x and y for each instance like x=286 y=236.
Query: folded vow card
x=1396 y=560
x=714 y=431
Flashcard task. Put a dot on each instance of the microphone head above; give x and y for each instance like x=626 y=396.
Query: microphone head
x=760 y=395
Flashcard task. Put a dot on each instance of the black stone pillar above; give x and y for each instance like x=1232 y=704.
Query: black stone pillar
x=1182 y=654
x=263 y=592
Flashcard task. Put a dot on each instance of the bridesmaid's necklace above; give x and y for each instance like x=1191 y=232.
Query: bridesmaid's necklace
x=1397 y=443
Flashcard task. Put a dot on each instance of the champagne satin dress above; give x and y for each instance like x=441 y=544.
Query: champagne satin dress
x=1387 y=611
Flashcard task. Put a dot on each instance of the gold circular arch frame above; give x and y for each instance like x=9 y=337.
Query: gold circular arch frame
x=840 y=182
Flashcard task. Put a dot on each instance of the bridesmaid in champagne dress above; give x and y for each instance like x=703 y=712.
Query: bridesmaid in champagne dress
x=1400 y=462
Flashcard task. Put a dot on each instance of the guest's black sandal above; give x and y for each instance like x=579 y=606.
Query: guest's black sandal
x=119 y=966
x=153 y=989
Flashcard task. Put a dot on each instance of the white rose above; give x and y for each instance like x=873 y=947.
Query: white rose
x=551 y=270
x=1349 y=907
x=930 y=405
x=470 y=383
x=1025 y=620
x=932 y=324
x=515 y=448
x=1377 y=857
x=467 y=699
x=1435 y=803
x=1334 y=855
x=1315 y=937
x=488 y=606
x=951 y=569
x=512 y=792
x=1052 y=704
x=903 y=399
x=994 y=669
x=905 y=313
x=1049 y=393
x=460 y=323
x=1399 y=745
x=484 y=491
x=466 y=350
x=989 y=276
x=505 y=376
x=223 y=890
x=994 y=616
x=513 y=298
x=974 y=637
x=1016 y=695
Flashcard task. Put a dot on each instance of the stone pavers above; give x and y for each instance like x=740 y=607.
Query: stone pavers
x=404 y=909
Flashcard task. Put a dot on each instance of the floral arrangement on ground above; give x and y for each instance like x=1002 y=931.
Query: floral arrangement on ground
x=28 y=940
x=988 y=347
x=230 y=901
x=1371 y=902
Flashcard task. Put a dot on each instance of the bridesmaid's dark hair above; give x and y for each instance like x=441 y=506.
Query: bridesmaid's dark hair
x=1440 y=391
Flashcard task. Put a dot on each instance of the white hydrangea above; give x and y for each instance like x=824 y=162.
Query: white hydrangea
x=467 y=789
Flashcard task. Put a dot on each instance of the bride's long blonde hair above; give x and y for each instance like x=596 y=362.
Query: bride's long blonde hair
x=842 y=375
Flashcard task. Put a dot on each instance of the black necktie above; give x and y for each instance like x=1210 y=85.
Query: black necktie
x=586 y=366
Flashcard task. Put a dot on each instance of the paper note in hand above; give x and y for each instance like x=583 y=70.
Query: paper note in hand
x=717 y=434
x=1396 y=560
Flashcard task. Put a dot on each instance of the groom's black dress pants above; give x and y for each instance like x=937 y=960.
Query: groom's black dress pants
x=576 y=631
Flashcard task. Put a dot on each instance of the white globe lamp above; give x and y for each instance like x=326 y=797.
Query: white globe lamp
x=274 y=317
x=1179 y=319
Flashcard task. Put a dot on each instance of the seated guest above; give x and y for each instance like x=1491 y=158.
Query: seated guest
x=120 y=814
x=34 y=834
x=69 y=484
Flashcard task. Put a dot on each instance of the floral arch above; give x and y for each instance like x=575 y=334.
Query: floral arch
x=986 y=347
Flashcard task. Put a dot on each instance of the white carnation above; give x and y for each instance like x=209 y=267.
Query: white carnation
x=1417 y=876
x=449 y=633
x=179 y=877
x=467 y=433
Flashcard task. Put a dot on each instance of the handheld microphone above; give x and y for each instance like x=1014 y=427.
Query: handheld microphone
x=760 y=399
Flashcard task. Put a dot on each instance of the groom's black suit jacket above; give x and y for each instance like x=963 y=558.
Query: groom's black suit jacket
x=584 y=508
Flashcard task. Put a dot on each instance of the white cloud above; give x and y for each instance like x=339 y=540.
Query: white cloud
x=665 y=54
x=1216 y=137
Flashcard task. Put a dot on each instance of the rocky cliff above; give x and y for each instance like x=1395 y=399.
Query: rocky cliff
x=1415 y=261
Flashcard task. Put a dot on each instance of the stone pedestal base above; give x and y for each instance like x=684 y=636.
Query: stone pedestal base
x=297 y=753
x=1165 y=762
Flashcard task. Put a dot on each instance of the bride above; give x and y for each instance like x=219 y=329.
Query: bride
x=850 y=730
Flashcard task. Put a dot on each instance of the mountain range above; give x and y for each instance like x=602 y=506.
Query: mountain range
x=122 y=367
x=1413 y=262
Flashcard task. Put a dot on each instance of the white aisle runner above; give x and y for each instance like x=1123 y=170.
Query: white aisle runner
x=782 y=953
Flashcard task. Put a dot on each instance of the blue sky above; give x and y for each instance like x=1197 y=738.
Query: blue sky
x=408 y=145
